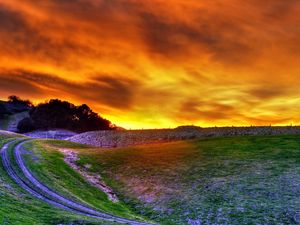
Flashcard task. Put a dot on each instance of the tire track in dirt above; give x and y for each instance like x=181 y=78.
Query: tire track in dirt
x=44 y=193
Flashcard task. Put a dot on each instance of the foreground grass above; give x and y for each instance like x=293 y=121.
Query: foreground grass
x=48 y=165
x=17 y=207
x=235 y=180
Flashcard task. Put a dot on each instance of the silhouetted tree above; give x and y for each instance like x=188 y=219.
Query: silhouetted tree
x=86 y=119
x=63 y=115
x=17 y=100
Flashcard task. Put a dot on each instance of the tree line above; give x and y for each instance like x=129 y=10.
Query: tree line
x=56 y=114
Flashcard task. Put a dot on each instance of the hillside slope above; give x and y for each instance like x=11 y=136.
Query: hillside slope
x=234 y=180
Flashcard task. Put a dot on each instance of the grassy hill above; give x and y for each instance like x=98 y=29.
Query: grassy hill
x=233 y=180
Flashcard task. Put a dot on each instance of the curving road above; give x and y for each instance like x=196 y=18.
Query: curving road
x=44 y=193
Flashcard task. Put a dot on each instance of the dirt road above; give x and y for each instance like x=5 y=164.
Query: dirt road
x=39 y=190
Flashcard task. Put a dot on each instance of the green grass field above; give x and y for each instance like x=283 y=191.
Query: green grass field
x=234 y=180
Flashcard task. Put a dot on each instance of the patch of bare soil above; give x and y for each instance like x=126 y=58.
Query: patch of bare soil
x=95 y=179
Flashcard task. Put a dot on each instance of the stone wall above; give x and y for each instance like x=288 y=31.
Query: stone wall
x=111 y=139
x=51 y=134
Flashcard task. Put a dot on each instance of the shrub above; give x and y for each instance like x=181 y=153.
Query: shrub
x=26 y=125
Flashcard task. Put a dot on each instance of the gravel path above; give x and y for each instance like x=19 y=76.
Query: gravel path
x=44 y=193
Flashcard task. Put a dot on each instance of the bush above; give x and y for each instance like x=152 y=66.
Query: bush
x=26 y=125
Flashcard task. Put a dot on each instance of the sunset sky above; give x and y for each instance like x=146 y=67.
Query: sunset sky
x=157 y=63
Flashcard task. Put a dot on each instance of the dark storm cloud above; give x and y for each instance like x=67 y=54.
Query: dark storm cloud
x=169 y=38
x=10 y=85
x=276 y=9
x=10 y=21
x=265 y=93
x=223 y=36
x=227 y=37
x=193 y=109
x=212 y=36
x=22 y=39
x=118 y=94
x=268 y=91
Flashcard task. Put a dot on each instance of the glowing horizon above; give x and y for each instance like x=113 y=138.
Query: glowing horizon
x=155 y=63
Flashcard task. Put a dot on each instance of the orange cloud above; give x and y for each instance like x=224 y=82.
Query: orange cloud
x=156 y=63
